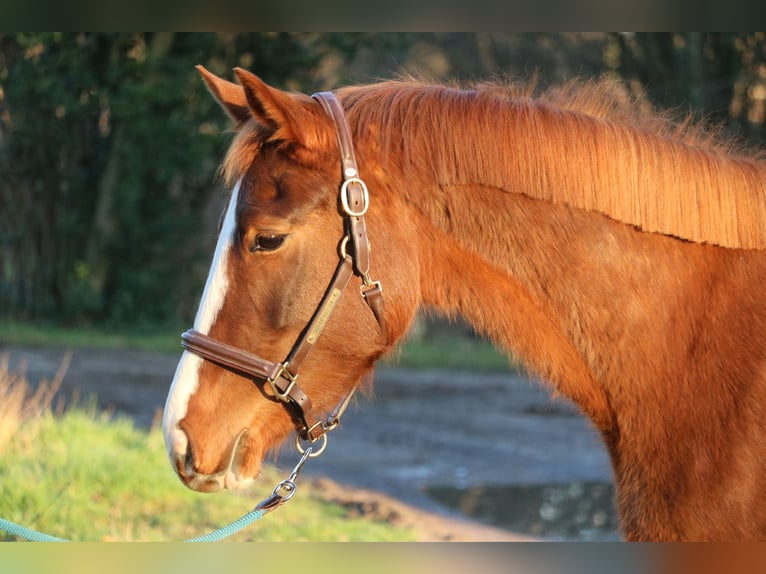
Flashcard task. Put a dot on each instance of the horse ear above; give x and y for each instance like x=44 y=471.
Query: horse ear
x=229 y=95
x=289 y=117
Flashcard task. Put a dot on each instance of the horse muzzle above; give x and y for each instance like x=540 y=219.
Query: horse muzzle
x=228 y=477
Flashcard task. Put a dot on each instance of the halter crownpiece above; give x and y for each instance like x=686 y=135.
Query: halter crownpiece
x=281 y=378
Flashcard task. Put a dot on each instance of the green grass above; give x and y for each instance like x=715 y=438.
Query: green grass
x=457 y=352
x=83 y=476
x=452 y=353
x=36 y=334
x=86 y=478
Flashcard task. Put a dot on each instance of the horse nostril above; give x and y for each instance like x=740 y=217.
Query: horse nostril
x=179 y=451
x=189 y=462
x=184 y=463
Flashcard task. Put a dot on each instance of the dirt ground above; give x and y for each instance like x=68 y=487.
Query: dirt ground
x=487 y=457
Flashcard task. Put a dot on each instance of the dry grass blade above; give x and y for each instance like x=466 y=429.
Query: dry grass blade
x=20 y=403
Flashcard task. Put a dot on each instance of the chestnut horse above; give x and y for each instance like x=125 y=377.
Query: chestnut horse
x=620 y=256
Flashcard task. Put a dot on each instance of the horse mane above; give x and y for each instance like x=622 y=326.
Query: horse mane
x=588 y=145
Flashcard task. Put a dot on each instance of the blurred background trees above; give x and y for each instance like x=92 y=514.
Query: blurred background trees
x=109 y=143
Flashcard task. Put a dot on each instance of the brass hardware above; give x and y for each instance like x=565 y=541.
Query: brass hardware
x=345 y=201
x=288 y=376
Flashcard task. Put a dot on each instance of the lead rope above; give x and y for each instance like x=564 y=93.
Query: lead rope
x=282 y=492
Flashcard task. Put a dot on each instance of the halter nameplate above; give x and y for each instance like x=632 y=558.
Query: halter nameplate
x=282 y=377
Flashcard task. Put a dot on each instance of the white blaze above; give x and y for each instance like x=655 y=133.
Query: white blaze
x=186 y=378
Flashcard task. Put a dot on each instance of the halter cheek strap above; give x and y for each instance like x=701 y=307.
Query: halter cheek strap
x=282 y=377
x=355 y=200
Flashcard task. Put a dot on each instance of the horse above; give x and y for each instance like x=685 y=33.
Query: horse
x=619 y=254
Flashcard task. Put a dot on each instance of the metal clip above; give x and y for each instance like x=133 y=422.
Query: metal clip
x=299 y=467
x=285 y=490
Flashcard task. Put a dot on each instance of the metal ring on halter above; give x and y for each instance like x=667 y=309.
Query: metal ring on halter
x=343 y=254
x=344 y=197
x=313 y=453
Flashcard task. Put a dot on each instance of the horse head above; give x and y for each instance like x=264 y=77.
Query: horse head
x=286 y=234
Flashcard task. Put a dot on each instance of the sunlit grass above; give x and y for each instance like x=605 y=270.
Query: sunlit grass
x=454 y=352
x=19 y=404
x=85 y=477
x=37 y=334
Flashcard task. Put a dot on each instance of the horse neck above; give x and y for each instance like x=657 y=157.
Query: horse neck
x=562 y=289
x=500 y=261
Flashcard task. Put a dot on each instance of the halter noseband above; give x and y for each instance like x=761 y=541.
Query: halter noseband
x=282 y=377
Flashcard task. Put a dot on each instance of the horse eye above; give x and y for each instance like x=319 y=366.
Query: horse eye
x=267 y=243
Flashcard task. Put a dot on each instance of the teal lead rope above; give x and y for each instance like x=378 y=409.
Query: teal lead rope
x=27 y=534
x=34 y=536
x=283 y=492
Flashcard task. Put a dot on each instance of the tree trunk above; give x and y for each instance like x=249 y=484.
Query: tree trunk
x=105 y=223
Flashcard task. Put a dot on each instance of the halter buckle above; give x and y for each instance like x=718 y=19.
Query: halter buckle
x=320 y=429
x=291 y=379
x=346 y=202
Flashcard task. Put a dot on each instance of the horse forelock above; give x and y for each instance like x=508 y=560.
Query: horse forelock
x=590 y=145
x=247 y=142
x=315 y=145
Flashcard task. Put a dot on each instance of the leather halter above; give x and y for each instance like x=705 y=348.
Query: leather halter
x=354 y=260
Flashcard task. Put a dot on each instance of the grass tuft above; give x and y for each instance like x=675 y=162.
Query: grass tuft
x=20 y=404
x=84 y=476
x=450 y=350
